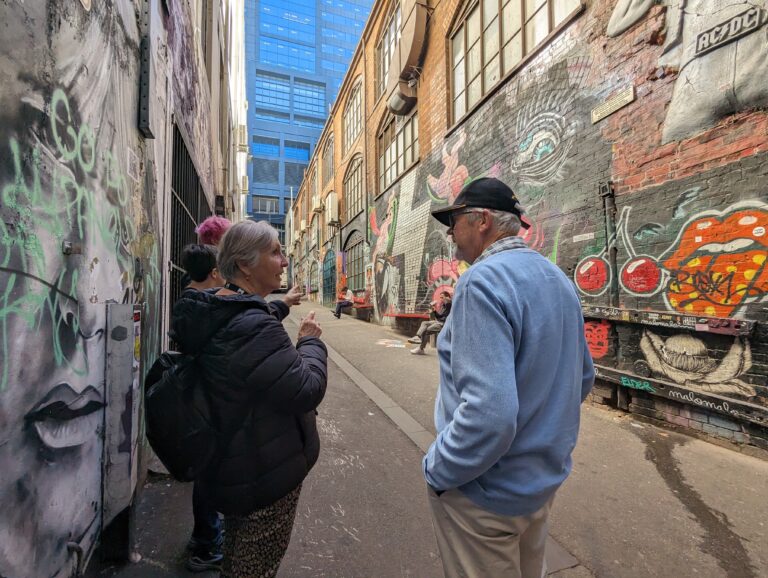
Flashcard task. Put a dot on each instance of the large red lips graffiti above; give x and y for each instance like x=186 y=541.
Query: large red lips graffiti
x=718 y=263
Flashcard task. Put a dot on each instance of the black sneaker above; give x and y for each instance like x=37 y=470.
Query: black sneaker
x=205 y=561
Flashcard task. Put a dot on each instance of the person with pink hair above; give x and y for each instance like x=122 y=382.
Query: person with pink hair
x=212 y=229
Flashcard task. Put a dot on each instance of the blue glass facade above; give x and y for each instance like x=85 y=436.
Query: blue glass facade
x=297 y=52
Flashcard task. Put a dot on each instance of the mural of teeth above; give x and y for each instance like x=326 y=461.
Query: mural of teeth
x=717 y=263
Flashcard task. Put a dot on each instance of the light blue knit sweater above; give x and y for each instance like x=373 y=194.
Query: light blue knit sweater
x=514 y=369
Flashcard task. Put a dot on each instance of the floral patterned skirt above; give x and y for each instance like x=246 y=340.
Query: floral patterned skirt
x=254 y=545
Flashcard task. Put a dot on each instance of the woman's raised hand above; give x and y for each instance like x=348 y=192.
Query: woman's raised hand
x=309 y=326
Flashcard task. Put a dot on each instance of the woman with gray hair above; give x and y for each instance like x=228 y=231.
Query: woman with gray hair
x=264 y=392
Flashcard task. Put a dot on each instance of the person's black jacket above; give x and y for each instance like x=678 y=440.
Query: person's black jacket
x=442 y=315
x=264 y=392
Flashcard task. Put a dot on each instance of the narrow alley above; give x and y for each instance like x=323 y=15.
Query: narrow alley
x=641 y=501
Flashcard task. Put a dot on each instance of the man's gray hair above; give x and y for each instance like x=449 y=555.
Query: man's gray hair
x=244 y=242
x=505 y=222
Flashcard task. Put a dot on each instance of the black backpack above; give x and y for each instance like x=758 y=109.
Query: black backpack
x=178 y=416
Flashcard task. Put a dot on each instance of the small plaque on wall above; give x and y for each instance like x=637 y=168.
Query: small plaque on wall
x=619 y=100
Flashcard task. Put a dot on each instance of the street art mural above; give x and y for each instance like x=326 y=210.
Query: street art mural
x=715 y=266
x=597 y=333
x=685 y=360
x=78 y=223
x=720 y=51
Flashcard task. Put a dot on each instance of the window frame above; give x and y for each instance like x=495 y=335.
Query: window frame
x=387 y=45
x=328 y=164
x=353 y=106
x=354 y=199
x=354 y=251
x=258 y=197
x=391 y=166
x=460 y=26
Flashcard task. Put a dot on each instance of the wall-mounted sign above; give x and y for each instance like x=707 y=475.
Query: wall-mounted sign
x=732 y=29
x=619 y=100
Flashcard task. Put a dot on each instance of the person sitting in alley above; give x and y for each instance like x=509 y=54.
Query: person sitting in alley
x=439 y=314
x=346 y=299
x=199 y=261
x=263 y=391
x=514 y=370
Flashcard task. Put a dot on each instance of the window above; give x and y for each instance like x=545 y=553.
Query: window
x=262 y=204
x=264 y=114
x=328 y=162
x=287 y=205
x=280 y=228
x=266 y=171
x=492 y=38
x=352 y=121
x=353 y=188
x=355 y=262
x=314 y=278
x=313 y=232
x=331 y=214
x=297 y=150
x=272 y=91
x=287 y=54
x=386 y=49
x=265 y=146
x=294 y=173
x=398 y=148
x=300 y=120
x=309 y=97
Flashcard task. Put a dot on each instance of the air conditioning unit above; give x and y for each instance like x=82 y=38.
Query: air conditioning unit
x=242 y=140
x=303 y=225
x=317 y=206
x=244 y=185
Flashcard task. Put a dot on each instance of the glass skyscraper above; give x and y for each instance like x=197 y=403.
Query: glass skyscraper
x=297 y=52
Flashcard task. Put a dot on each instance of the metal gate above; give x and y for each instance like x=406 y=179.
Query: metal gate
x=188 y=208
x=329 y=279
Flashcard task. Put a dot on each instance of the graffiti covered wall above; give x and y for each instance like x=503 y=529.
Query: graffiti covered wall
x=656 y=209
x=80 y=213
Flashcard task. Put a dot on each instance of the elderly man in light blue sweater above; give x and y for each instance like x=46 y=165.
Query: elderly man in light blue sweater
x=514 y=369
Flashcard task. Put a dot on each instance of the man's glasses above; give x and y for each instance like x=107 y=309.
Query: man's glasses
x=452 y=216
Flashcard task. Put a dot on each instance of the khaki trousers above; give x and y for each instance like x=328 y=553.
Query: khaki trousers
x=476 y=543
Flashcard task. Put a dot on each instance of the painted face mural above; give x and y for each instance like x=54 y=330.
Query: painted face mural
x=715 y=266
x=597 y=334
x=68 y=244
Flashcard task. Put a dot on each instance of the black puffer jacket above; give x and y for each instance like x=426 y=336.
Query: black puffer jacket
x=264 y=392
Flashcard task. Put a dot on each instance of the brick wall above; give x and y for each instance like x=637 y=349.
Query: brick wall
x=674 y=181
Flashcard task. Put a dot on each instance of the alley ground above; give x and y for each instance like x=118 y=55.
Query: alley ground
x=641 y=501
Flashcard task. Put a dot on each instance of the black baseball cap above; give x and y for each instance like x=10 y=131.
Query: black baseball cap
x=485 y=193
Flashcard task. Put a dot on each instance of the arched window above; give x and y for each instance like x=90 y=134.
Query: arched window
x=314 y=278
x=328 y=161
x=329 y=278
x=352 y=117
x=397 y=147
x=313 y=232
x=353 y=188
x=386 y=48
x=331 y=214
x=491 y=37
x=354 y=250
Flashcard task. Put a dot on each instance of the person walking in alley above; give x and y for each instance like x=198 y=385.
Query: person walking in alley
x=264 y=392
x=434 y=324
x=346 y=299
x=514 y=369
